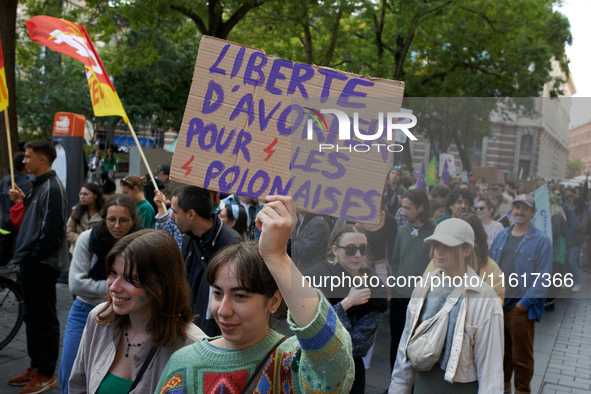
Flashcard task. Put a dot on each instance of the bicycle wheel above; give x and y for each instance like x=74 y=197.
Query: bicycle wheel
x=12 y=309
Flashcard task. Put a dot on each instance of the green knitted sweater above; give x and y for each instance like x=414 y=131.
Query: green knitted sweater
x=317 y=359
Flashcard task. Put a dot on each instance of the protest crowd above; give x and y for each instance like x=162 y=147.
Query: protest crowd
x=190 y=290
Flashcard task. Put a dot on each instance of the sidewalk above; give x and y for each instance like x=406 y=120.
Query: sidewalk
x=562 y=349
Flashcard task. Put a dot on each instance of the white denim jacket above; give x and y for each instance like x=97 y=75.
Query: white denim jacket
x=478 y=341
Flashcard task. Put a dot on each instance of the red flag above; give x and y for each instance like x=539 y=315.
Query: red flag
x=3 y=88
x=73 y=40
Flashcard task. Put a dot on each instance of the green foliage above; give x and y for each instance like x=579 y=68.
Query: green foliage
x=439 y=48
x=48 y=83
x=152 y=71
x=573 y=168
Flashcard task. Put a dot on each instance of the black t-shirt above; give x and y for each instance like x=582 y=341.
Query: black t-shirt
x=507 y=265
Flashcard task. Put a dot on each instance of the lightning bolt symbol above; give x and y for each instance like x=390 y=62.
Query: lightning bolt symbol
x=269 y=149
x=187 y=167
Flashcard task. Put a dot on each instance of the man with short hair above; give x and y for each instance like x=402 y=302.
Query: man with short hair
x=522 y=252
x=409 y=259
x=42 y=252
x=205 y=235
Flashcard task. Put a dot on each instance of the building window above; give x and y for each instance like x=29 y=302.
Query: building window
x=527 y=144
x=523 y=172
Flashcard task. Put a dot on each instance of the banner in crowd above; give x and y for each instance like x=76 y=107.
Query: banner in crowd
x=257 y=125
x=449 y=160
x=3 y=87
x=543 y=218
x=73 y=40
x=431 y=172
x=421 y=178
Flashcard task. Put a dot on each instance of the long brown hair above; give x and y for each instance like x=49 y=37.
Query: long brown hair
x=154 y=261
x=480 y=245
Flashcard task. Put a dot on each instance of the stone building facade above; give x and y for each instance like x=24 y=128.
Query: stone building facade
x=527 y=146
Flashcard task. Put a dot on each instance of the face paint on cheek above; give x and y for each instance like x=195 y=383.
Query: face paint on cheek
x=141 y=299
x=148 y=293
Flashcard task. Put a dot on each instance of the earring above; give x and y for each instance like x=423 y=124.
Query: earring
x=273 y=312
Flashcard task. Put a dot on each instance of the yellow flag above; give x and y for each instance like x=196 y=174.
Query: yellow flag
x=3 y=88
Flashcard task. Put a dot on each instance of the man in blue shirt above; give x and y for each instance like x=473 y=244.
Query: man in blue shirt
x=522 y=252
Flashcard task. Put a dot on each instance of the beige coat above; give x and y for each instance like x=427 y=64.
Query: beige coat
x=477 y=344
x=490 y=273
x=73 y=229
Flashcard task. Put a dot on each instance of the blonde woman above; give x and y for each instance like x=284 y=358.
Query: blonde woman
x=471 y=360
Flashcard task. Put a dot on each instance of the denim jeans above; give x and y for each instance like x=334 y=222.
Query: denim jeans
x=573 y=260
x=72 y=336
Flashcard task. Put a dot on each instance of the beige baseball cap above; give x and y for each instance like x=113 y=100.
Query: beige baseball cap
x=453 y=232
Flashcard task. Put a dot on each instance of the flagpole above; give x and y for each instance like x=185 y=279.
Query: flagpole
x=9 y=147
x=137 y=143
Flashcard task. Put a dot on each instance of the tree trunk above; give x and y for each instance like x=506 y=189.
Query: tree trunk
x=8 y=35
x=463 y=152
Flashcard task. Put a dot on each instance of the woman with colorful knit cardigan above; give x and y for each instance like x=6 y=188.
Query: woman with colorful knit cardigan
x=249 y=285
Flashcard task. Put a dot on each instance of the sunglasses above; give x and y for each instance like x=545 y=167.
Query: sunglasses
x=351 y=250
x=481 y=208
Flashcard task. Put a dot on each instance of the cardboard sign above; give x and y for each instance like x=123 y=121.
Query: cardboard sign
x=253 y=126
x=490 y=174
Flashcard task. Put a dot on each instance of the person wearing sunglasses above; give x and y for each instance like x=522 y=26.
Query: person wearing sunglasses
x=358 y=303
x=88 y=277
x=485 y=210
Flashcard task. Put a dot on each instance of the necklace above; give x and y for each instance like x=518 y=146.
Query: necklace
x=129 y=345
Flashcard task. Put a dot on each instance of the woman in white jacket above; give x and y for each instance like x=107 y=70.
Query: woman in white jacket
x=471 y=360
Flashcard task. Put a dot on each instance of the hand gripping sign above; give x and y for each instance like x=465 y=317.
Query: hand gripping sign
x=257 y=125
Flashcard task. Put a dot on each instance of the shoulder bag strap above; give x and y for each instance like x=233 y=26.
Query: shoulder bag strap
x=254 y=379
x=452 y=299
x=138 y=377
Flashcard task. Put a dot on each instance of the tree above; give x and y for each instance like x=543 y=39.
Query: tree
x=48 y=83
x=154 y=87
x=306 y=31
x=465 y=48
x=573 y=168
x=214 y=18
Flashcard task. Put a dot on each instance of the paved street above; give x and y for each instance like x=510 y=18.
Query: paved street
x=562 y=348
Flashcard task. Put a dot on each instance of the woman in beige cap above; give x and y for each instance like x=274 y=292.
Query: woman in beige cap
x=470 y=359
